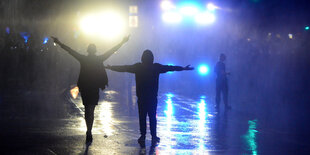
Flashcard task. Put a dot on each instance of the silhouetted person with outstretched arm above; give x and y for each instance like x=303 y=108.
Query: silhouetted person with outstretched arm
x=92 y=77
x=147 y=75
x=221 y=82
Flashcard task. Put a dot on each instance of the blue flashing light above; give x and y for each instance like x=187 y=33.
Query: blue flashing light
x=307 y=28
x=25 y=35
x=45 y=40
x=203 y=69
x=7 y=30
x=190 y=11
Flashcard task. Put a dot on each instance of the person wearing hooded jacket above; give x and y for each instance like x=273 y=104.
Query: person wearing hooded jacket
x=92 y=77
x=147 y=76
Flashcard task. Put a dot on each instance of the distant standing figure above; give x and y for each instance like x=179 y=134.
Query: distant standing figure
x=92 y=77
x=147 y=75
x=221 y=82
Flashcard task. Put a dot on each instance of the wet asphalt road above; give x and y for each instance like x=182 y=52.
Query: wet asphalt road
x=45 y=123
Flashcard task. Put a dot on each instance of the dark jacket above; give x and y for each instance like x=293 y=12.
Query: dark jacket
x=92 y=72
x=220 y=71
x=146 y=76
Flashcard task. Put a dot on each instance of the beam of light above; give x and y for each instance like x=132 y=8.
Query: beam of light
x=211 y=7
x=26 y=36
x=45 y=40
x=250 y=137
x=106 y=25
x=205 y=18
x=166 y=5
x=172 y=17
x=74 y=92
x=203 y=69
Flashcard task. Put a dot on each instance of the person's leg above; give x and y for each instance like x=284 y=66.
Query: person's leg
x=152 y=116
x=142 y=117
x=225 y=95
x=89 y=117
x=218 y=94
x=153 y=121
x=90 y=100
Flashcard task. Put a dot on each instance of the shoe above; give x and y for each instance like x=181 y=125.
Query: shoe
x=155 y=140
x=141 y=140
x=89 y=138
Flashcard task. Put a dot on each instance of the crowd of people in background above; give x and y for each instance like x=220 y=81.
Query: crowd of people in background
x=30 y=62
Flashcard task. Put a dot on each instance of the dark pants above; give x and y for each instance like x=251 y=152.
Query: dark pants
x=221 y=88
x=147 y=106
x=90 y=98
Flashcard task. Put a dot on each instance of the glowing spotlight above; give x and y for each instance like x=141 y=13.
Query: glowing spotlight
x=205 y=18
x=172 y=17
x=307 y=28
x=45 y=40
x=211 y=7
x=166 y=5
x=189 y=10
x=107 y=25
x=203 y=69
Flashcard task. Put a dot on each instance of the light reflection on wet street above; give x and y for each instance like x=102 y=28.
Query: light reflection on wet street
x=186 y=125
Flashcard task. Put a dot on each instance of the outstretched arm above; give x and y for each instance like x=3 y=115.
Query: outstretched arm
x=125 y=68
x=107 y=54
x=68 y=49
x=167 y=68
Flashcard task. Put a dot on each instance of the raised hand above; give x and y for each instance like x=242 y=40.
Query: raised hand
x=188 y=67
x=107 y=67
x=55 y=39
